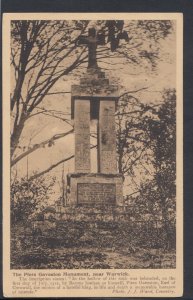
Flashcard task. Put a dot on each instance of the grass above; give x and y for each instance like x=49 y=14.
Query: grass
x=89 y=245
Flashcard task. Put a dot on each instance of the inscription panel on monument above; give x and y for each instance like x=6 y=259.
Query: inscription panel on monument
x=96 y=193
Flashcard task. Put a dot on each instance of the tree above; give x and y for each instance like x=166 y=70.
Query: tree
x=133 y=136
x=163 y=134
x=43 y=52
x=157 y=194
x=40 y=55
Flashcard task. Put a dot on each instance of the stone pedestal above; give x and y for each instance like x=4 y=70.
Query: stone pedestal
x=95 y=189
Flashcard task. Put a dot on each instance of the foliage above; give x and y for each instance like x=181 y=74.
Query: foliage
x=29 y=197
x=163 y=145
x=133 y=136
x=146 y=136
x=157 y=195
x=94 y=245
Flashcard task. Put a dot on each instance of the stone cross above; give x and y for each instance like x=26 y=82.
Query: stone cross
x=92 y=41
x=95 y=92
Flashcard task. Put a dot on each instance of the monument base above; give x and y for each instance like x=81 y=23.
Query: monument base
x=95 y=189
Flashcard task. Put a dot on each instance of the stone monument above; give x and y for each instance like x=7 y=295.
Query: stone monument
x=94 y=98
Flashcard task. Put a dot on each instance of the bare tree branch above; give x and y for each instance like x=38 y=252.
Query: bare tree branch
x=54 y=166
x=134 y=91
x=40 y=145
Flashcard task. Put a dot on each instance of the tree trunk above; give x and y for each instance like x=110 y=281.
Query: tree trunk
x=17 y=91
x=16 y=135
x=120 y=163
x=166 y=225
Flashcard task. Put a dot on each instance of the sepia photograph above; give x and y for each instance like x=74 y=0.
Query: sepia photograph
x=93 y=143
